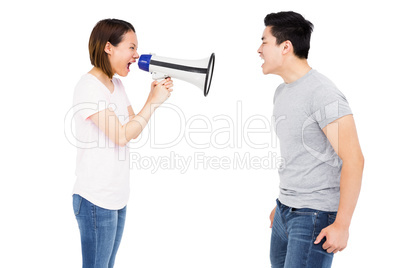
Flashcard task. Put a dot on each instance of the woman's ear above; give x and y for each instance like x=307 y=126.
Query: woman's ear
x=108 y=48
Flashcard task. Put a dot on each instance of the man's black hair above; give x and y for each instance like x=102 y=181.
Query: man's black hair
x=291 y=26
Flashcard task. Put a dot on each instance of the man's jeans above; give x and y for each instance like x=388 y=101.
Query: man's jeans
x=293 y=234
x=101 y=231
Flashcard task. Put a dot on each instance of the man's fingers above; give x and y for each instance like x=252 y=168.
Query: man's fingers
x=319 y=237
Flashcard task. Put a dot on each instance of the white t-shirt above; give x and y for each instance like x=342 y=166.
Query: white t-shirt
x=102 y=167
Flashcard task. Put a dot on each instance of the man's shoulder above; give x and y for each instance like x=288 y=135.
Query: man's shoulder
x=321 y=80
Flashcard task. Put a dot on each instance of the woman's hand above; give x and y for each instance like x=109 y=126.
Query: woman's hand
x=160 y=92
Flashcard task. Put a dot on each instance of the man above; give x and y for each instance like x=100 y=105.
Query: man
x=321 y=177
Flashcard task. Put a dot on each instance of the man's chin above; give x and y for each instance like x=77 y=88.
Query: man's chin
x=265 y=70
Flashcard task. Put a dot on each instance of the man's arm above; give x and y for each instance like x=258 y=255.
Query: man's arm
x=342 y=135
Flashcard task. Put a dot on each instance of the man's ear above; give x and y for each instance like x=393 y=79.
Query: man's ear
x=108 y=48
x=287 y=47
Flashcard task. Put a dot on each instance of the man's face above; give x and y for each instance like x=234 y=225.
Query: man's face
x=270 y=52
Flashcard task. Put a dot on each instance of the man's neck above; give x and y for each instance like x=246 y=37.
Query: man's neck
x=294 y=69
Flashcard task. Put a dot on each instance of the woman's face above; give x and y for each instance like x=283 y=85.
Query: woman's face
x=124 y=54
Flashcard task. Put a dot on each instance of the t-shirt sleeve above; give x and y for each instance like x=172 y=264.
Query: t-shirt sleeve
x=329 y=104
x=89 y=98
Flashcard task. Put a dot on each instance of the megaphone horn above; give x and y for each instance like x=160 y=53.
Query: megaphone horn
x=196 y=72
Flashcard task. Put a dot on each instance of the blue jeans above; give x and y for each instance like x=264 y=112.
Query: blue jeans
x=101 y=231
x=293 y=234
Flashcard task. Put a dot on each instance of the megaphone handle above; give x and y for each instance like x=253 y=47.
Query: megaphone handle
x=159 y=76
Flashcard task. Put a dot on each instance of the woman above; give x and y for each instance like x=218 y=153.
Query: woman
x=105 y=123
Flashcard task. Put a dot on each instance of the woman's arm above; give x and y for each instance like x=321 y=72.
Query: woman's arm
x=109 y=123
x=131 y=113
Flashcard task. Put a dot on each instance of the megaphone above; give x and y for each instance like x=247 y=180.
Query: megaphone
x=196 y=72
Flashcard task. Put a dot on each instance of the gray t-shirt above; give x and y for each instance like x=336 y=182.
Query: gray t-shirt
x=310 y=172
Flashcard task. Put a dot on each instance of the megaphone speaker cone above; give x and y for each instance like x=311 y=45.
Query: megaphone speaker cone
x=210 y=71
x=196 y=72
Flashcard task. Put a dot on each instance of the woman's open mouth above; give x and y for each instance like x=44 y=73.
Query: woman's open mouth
x=128 y=66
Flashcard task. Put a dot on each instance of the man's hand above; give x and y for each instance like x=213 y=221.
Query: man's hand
x=336 y=238
x=271 y=216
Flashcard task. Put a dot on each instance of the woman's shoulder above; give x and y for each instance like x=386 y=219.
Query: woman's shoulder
x=88 y=88
x=89 y=83
x=88 y=79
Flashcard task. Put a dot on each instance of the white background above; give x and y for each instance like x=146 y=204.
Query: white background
x=204 y=217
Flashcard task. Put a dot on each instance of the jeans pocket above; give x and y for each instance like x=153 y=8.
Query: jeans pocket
x=331 y=218
x=77 y=200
